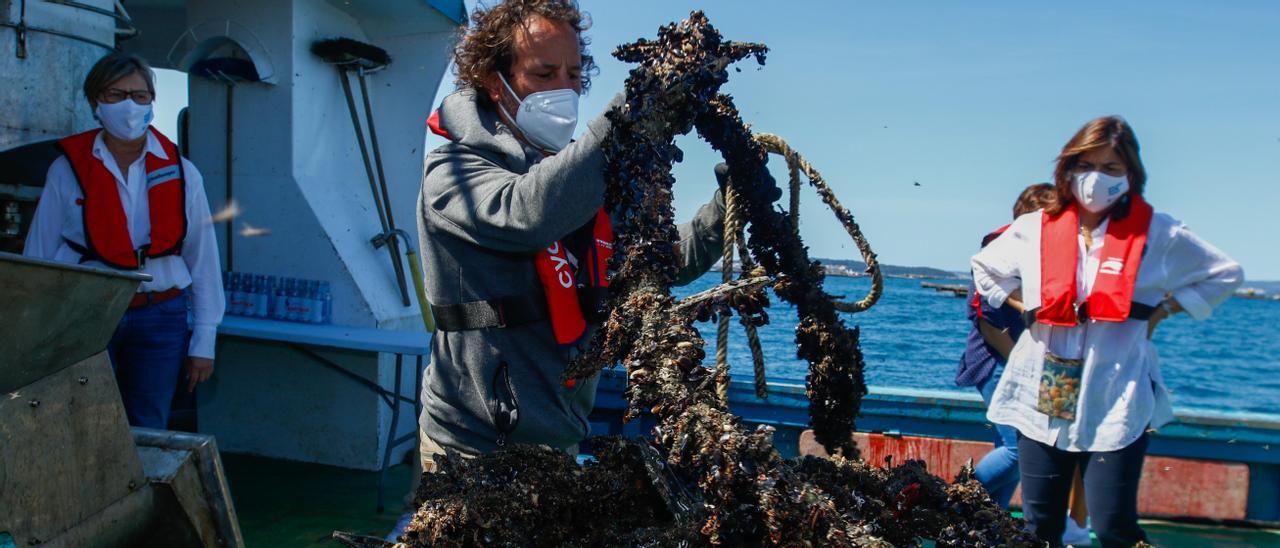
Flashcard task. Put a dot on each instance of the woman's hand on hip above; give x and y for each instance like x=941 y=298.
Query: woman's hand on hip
x=198 y=371
x=1015 y=300
x=1166 y=308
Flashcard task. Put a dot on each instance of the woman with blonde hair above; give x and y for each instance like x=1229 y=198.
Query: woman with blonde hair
x=1093 y=275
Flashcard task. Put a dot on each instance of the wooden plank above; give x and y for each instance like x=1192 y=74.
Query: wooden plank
x=1187 y=487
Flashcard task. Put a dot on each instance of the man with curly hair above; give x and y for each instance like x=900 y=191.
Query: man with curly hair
x=515 y=242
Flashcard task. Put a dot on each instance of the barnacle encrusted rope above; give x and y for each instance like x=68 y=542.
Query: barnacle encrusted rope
x=732 y=235
x=727 y=482
x=732 y=227
x=796 y=164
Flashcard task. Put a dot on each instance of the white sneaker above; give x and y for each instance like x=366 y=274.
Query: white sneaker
x=1076 y=535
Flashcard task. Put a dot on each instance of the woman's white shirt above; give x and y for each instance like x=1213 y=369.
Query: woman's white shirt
x=58 y=219
x=1122 y=392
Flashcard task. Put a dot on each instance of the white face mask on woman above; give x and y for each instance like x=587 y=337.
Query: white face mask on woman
x=546 y=118
x=1096 y=191
x=125 y=120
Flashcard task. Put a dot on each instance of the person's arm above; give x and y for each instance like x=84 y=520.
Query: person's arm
x=473 y=198
x=200 y=253
x=45 y=233
x=701 y=240
x=1198 y=277
x=996 y=271
x=997 y=338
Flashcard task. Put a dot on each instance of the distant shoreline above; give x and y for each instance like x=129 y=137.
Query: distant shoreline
x=857 y=269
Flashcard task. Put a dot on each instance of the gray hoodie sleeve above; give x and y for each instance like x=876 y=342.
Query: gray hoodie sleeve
x=701 y=240
x=475 y=198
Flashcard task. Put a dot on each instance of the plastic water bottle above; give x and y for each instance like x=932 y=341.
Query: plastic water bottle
x=326 y=303
x=234 y=297
x=227 y=287
x=269 y=311
x=248 y=302
x=316 y=307
x=280 y=310
x=311 y=300
x=293 y=302
x=261 y=296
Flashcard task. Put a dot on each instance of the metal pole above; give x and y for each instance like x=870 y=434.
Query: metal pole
x=373 y=185
x=382 y=181
x=231 y=90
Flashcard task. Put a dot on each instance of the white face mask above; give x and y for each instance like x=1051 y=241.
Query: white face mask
x=125 y=120
x=546 y=118
x=1096 y=191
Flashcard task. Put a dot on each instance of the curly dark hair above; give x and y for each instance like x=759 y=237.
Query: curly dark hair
x=487 y=44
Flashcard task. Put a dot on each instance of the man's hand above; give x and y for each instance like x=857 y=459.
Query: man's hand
x=198 y=371
x=765 y=190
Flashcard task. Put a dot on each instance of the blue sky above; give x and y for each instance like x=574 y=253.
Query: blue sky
x=974 y=99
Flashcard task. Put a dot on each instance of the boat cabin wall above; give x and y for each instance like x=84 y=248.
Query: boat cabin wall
x=297 y=170
x=298 y=174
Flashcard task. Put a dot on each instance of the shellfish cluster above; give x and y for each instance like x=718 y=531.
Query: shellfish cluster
x=704 y=478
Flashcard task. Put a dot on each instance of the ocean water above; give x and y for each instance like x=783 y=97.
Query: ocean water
x=913 y=337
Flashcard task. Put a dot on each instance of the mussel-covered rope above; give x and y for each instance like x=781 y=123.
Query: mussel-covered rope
x=796 y=164
x=733 y=238
x=732 y=226
x=733 y=234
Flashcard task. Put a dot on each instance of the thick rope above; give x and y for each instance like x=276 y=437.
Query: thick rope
x=797 y=164
x=732 y=222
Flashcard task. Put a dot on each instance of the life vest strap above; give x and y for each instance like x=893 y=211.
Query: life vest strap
x=1137 y=311
x=87 y=254
x=500 y=312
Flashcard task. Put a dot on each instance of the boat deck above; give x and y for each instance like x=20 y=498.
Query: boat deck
x=282 y=503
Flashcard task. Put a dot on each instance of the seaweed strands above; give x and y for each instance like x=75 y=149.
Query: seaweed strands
x=705 y=479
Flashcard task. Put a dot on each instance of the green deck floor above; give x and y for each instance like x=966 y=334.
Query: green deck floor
x=284 y=504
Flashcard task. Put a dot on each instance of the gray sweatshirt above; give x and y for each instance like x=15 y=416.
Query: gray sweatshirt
x=488 y=204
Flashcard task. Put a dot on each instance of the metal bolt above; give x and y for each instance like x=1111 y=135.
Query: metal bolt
x=84 y=380
x=133 y=485
x=34 y=403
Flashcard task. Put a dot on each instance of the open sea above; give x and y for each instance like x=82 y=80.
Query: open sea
x=913 y=338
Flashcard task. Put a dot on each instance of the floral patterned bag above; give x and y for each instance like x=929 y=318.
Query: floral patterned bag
x=1060 y=386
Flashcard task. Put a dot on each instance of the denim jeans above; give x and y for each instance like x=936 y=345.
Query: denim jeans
x=1110 y=490
x=147 y=351
x=998 y=470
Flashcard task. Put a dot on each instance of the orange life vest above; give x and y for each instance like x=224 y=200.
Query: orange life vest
x=560 y=281
x=106 y=228
x=1112 y=296
x=568 y=291
x=975 y=300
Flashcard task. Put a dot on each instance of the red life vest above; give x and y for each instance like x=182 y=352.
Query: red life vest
x=106 y=228
x=1112 y=296
x=975 y=302
x=559 y=279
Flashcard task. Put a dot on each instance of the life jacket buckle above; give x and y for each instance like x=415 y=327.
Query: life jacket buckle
x=500 y=312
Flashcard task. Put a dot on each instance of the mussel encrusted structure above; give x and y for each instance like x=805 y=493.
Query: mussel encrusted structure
x=704 y=478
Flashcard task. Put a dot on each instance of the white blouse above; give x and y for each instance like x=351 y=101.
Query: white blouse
x=1122 y=392
x=58 y=218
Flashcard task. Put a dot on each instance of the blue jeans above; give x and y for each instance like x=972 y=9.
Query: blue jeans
x=998 y=470
x=147 y=351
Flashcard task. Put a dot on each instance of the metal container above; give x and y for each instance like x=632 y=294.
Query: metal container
x=56 y=315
